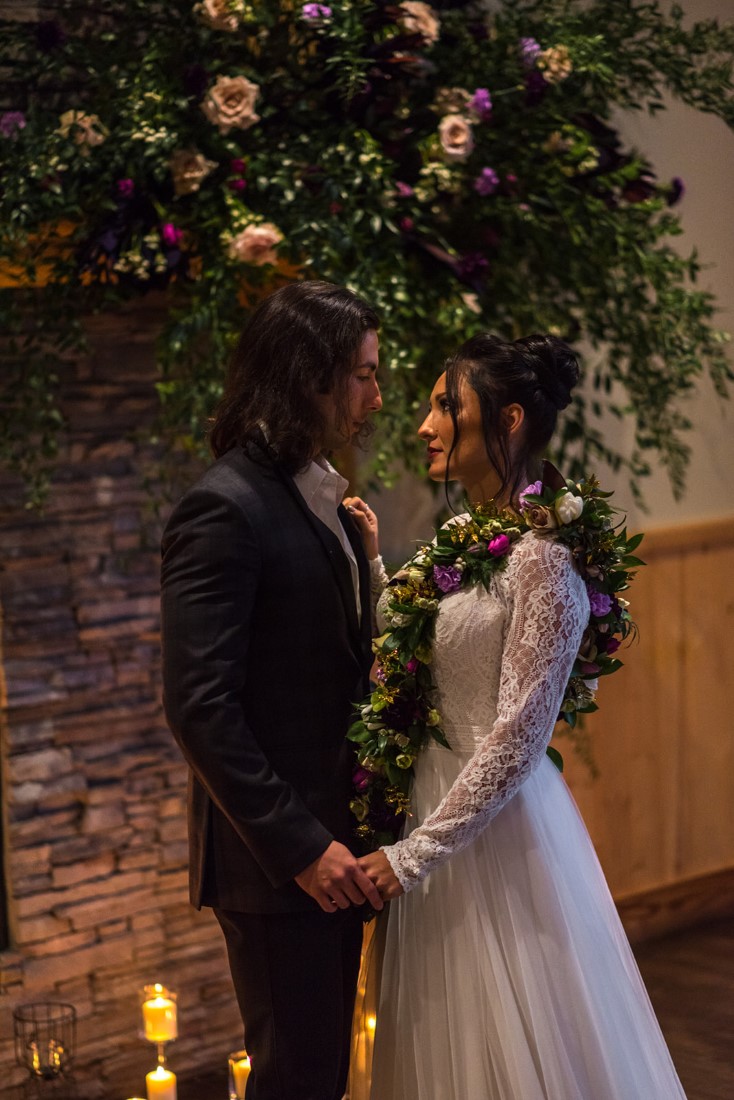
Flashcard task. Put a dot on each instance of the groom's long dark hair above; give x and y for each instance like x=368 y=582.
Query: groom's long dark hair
x=301 y=341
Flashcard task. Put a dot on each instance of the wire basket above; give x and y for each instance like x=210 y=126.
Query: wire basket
x=45 y=1038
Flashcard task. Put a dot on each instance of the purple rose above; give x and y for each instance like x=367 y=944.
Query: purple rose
x=11 y=122
x=498 y=546
x=529 y=52
x=447 y=577
x=533 y=490
x=311 y=12
x=600 y=603
x=486 y=182
x=412 y=665
x=171 y=235
x=481 y=104
x=125 y=188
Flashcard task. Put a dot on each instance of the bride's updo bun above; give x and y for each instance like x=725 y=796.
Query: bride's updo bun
x=554 y=364
x=537 y=372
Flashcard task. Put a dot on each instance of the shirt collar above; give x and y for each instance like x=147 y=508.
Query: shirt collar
x=320 y=480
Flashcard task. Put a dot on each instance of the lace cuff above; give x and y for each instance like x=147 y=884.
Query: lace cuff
x=378 y=584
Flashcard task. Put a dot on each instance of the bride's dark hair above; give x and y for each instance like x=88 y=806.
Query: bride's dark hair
x=537 y=372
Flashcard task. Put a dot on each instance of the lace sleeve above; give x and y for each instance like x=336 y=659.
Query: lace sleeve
x=378 y=584
x=549 y=610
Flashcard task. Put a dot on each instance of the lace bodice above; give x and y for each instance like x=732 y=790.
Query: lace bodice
x=502 y=658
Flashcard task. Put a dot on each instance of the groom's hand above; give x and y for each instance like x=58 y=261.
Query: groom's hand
x=377 y=866
x=336 y=881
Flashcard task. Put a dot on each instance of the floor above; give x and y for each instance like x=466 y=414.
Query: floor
x=690 y=978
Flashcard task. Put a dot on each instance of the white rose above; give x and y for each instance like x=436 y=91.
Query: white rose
x=568 y=507
x=230 y=103
x=457 y=137
x=188 y=169
x=256 y=245
x=420 y=18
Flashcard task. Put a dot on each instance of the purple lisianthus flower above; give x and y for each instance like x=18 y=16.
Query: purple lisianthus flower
x=171 y=235
x=677 y=191
x=533 y=490
x=498 y=546
x=486 y=182
x=529 y=51
x=315 y=11
x=412 y=665
x=361 y=779
x=599 y=602
x=481 y=104
x=125 y=188
x=471 y=265
x=447 y=577
x=11 y=122
x=404 y=190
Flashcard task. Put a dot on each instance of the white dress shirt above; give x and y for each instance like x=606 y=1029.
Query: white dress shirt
x=323 y=489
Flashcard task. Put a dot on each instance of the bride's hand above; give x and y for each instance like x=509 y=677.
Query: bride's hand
x=367 y=524
x=377 y=867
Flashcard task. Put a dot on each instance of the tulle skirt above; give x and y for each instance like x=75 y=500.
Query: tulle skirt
x=507 y=974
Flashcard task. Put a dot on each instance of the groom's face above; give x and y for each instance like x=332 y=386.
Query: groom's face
x=344 y=418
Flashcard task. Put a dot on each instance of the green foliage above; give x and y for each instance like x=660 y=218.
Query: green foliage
x=345 y=161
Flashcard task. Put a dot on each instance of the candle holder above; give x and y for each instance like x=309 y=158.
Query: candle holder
x=45 y=1038
x=160 y=1017
x=239 y=1071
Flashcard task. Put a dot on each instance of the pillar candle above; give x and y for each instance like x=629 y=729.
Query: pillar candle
x=241 y=1071
x=160 y=1018
x=160 y=1084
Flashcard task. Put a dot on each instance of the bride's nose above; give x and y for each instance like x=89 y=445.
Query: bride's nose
x=426 y=430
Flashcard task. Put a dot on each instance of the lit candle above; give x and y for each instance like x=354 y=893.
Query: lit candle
x=160 y=1084
x=241 y=1071
x=159 y=1016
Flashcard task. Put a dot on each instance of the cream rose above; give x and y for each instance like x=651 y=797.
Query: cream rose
x=457 y=138
x=568 y=507
x=85 y=130
x=555 y=64
x=541 y=518
x=188 y=169
x=218 y=14
x=420 y=18
x=230 y=103
x=256 y=245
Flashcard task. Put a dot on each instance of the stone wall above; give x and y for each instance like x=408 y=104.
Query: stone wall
x=93 y=785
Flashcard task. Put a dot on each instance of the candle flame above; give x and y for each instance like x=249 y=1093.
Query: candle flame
x=371 y=1023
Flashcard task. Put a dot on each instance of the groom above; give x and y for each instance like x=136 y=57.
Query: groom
x=266 y=646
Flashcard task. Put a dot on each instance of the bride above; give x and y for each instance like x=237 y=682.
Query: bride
x=506 y=972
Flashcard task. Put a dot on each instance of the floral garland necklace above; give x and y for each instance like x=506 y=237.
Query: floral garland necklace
x=398 y=719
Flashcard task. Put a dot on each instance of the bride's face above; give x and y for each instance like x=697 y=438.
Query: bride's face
x=469 y=463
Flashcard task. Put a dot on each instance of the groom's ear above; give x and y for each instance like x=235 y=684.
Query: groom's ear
x=514 y=417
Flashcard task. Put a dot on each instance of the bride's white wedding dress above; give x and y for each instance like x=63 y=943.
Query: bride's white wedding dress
x=507 y=974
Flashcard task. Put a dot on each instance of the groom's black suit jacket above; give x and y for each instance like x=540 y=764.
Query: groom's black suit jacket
x=263 y=658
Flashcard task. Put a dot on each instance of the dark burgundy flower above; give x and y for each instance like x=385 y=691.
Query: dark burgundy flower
x=238 y=165
x=677 y=191
x=407 y=225
x=640 y=189
x=535 y=87
x=238 y=185
x=49 y=35
x=125 y=188
x=195 y=80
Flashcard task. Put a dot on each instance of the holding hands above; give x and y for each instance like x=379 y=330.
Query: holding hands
x=377 y=867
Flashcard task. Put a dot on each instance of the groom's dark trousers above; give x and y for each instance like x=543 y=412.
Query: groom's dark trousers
x=263 y=657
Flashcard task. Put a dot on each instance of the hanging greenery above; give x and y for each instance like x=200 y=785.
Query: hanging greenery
x=455 y=164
